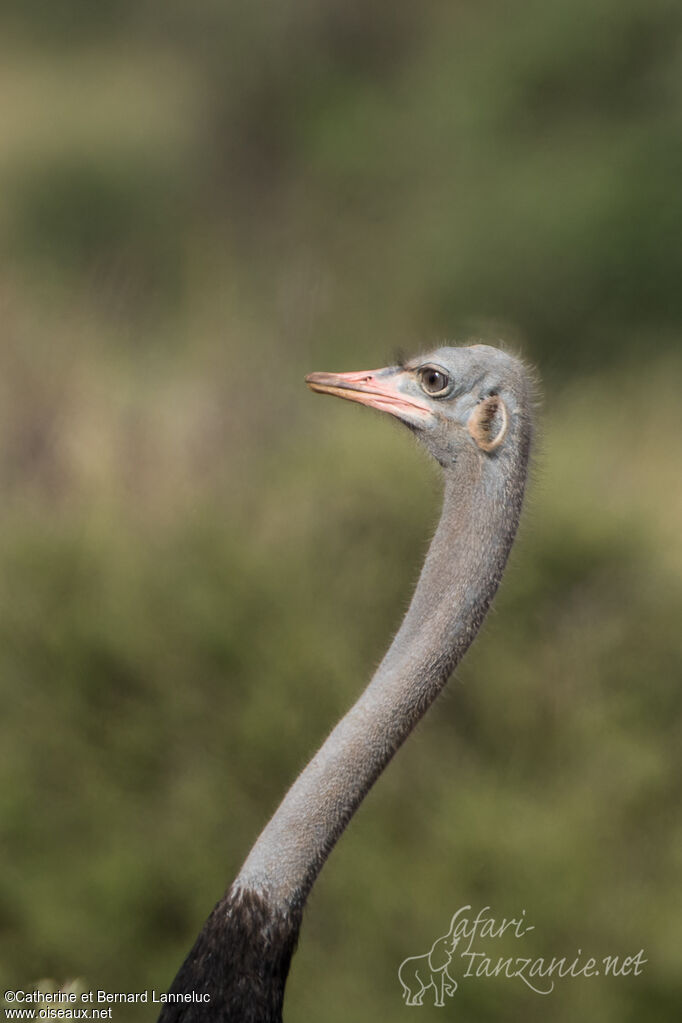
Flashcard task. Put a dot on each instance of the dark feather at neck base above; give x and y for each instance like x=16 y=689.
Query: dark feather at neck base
x=240 y=962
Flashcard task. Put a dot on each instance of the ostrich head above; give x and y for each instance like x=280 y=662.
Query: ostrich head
x=456 y=400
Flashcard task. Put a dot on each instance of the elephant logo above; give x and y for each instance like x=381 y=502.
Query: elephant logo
x=418 y=973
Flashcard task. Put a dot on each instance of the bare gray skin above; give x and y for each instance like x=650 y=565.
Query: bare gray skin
x=471 y=408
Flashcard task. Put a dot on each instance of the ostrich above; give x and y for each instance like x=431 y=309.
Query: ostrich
x=471 y=409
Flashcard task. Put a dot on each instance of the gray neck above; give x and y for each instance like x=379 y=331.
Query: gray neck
x=482 y=503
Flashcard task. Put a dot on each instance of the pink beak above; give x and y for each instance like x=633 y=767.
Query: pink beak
x=377 y=388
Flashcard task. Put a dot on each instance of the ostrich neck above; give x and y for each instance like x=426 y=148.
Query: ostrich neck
x=458 y=581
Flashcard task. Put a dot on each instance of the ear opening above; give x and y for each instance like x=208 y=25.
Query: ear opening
x=489 y=422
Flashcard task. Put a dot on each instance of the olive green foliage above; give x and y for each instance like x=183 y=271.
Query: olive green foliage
x=201 y=563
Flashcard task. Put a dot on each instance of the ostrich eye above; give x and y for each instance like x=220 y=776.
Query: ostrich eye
x=434 y=381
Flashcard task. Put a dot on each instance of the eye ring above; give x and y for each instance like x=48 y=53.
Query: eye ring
x=434 y=381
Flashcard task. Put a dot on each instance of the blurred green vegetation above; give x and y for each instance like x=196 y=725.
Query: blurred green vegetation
x=200 y=563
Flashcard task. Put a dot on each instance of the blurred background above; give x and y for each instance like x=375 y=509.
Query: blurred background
x=201 y=563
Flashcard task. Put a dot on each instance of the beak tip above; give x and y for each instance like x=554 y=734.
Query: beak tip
x=314 y=380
